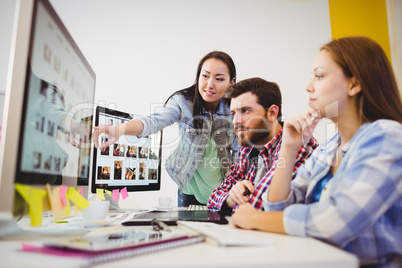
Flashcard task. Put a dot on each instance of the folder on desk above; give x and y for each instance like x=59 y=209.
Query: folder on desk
x=105 y=246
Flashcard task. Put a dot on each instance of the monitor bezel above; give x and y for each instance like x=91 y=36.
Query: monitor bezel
x=15 y=98
x=150 y=187
x=24 y=176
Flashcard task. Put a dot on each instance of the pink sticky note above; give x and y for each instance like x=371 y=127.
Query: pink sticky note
x=27 y=246
x=115 y=195
x=81 y=191
x=63 y=194
x=124 y=193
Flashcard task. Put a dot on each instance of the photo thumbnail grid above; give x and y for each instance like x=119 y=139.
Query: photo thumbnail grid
x=129 y=161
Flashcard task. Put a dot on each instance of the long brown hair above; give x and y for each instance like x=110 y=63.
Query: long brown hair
x=364 y=59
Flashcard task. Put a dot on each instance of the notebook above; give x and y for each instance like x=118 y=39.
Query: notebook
x=228 y=235
x=171 y=217
x=104 y=246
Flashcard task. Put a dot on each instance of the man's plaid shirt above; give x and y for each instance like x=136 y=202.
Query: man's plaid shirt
x=246 y=167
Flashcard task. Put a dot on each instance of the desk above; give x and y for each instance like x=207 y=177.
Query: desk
x=287 y=252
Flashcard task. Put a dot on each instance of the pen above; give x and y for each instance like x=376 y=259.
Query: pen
x=246 y=192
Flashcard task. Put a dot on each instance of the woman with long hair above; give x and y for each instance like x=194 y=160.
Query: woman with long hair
x=207 y=142
x=349 y=192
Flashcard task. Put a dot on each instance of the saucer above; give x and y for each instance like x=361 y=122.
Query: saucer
x=164 y=208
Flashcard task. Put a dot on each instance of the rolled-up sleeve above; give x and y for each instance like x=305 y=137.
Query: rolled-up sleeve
x=165 y=116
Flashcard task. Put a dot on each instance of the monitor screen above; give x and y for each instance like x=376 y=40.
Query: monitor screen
x=48 y=100
x=59 y=95
x=130 y=162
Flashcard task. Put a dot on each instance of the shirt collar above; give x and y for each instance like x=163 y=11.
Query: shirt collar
x=268 y=148
x=271 y=146
x=222 y=109
x=346 y=147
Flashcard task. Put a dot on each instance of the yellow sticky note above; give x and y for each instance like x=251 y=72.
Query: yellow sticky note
x=55 y=202
x=76 y=208
x=36 y=206
x=76 y=198
x=23 y=190
x=100 y=194
x=34 y=198
x=108 y=192
x=67 y=208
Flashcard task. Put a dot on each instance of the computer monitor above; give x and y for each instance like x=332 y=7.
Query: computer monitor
x=131 y=162
x=49 y=94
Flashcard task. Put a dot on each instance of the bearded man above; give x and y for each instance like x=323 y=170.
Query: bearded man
x=256 y=107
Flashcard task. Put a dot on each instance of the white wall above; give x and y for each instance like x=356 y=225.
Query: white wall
x=142 y=51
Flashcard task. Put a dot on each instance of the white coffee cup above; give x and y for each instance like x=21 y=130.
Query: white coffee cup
x=165 y=202
x=96 y=211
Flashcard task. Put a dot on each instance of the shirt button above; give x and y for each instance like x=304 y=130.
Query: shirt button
x=187 y=130
x=218 y=132
x=221 y=149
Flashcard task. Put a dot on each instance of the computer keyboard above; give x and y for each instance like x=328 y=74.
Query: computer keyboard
x=197 y=207
x=227 y=235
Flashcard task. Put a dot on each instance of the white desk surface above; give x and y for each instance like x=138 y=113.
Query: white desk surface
x=287 y=252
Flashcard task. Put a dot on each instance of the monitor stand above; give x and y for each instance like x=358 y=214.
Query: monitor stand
x=114 y=204
x=115 y=207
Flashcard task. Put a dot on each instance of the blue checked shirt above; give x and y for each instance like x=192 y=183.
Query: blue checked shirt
x=360 y=210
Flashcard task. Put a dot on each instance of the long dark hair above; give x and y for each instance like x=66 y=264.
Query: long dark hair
x=192 y=93
x=364 y=59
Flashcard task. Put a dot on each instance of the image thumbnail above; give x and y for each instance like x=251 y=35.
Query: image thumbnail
x=131 y=151
x=105 y=151
x=130 y=174
x=103 y=173
x=143 y=152
x=117 y=170
x=152 y=174
x=142 y=171
x=118 y=149
x=37 y=160
x=152 y=155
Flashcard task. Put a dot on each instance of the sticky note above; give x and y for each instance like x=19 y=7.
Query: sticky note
x=108 y=192
x=116 y=195
x=67 y=209
x=36 y=206
x=34 y=198
x=76 y=208
x=27 y=246
x=55 y=202
x=124 y=193
x=76 y=198
x=100 y=194
x=63 y=193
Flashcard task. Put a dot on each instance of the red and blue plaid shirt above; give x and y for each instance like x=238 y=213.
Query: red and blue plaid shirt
x=246 y=167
